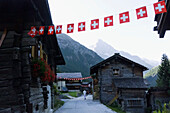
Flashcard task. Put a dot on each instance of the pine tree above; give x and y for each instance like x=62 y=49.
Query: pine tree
x=164 y=73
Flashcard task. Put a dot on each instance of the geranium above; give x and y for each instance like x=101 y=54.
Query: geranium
x=42 y=69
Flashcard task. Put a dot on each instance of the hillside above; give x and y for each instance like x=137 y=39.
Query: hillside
x=78 y=58
x=151 y=76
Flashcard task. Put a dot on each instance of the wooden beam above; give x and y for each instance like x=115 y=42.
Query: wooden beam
x=3 y=36
x=28 y=42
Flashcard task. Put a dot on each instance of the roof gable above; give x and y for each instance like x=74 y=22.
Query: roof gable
x=116 y=56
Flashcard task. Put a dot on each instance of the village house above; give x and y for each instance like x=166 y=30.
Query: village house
x=118 y=79
x=20 y=91
x=69 y=80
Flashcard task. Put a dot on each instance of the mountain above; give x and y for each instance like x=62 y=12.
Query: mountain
x=105 y=50
x=151 y=76
x=78 y=58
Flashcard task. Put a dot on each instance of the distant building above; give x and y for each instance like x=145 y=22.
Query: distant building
x=118 y=79
x=71 y=85
x=86 y=86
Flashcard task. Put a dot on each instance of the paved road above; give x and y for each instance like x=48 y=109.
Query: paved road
x=78 y=105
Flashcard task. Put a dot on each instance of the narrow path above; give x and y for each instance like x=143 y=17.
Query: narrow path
x=78 y=105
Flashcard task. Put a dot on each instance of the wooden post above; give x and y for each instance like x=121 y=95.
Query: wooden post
x=3 y=36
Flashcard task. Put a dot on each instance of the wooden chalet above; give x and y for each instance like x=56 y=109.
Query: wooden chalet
x=118 y=79
x=70 y=81
x=20 y=93
x=162 y=20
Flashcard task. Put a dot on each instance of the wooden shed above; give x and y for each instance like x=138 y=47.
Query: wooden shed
x=118 y=79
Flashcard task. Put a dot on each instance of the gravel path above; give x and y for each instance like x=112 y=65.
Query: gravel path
x=78 y=105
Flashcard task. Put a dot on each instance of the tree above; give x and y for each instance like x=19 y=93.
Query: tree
x=164 y=73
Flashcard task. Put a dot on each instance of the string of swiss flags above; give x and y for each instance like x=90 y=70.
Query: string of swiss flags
x=124 y=17
x=75 y=78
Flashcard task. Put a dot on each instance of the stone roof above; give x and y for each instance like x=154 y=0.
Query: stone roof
x=69 y=75
x=129 y=82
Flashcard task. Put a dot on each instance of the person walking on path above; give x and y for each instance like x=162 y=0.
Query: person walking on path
x=84 y=93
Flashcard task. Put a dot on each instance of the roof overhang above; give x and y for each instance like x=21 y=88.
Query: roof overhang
x=163 y=23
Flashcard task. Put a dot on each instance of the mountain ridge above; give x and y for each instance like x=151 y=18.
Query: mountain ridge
x=105 y=50
x=78 y=58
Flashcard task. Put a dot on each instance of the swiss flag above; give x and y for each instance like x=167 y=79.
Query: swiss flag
x=32 y=32
x=141 y=12
x=50 y=30
x=108 y=21
x=59 y=29
x=41 y=30
x=95 y=24
x=81 y=26
x=70 y=28
x=124 y=17
x=160 y=7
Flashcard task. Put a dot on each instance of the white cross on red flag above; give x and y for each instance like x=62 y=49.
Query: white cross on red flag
x=81 y=26
x=70 y=28
x=41 y=30
x=95 y=24
x=160 y=7
x=141 y=12
x=50 y=30
x=32 y=32
x=124 y=17
x=108 y=21
x=58 y=29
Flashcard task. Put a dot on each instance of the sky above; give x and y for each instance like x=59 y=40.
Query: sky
x=136 y=37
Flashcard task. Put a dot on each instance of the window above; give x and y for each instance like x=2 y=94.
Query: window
x=134 y=103
x=116 y=71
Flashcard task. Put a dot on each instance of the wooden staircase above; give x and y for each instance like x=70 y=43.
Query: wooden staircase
x=117 y=95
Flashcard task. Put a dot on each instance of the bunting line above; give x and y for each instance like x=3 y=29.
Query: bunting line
x=159 y=7
x=74 y=78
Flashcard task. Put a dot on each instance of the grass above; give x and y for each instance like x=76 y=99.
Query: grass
x=73 y=94
x=117 y=109
x=58 y=103
x=65 y=97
